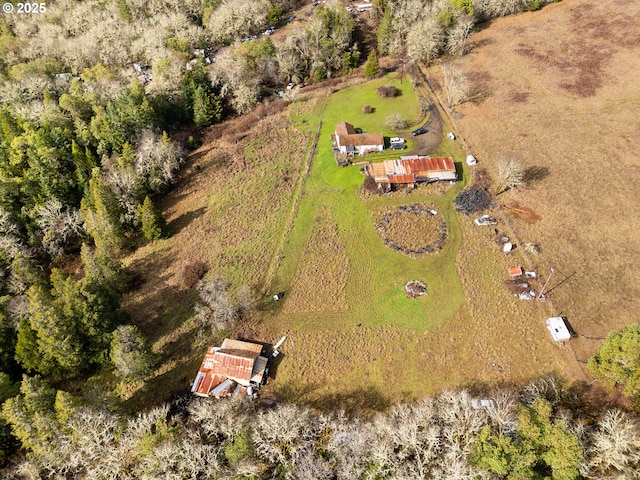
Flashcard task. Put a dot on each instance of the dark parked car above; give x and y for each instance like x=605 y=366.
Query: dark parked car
x=419 y=131
x=397 y=146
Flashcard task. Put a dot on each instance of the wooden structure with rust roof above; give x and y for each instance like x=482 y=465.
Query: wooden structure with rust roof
x=350 y=142
x=411 y=170
x=231 y=368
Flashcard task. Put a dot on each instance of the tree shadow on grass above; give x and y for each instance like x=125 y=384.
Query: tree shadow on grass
x=163 y=388
x=177 y=224
x=361 y=401
x=535 y=174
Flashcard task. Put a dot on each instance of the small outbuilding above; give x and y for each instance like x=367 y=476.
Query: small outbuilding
x=236 y=367
x=558 y=329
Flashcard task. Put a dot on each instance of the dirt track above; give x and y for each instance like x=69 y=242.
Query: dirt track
x=428 y=142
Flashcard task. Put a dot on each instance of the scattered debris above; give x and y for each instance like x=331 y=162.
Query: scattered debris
x=531 y=249
x=485 y=220
x=515 y=271
x=415 y=288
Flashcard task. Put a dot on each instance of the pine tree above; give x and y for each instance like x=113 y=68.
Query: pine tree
x=372 y=67
x=152 y=223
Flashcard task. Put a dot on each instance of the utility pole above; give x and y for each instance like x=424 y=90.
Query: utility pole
x=545 y=285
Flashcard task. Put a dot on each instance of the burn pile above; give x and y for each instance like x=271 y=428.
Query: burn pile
x=472 y=200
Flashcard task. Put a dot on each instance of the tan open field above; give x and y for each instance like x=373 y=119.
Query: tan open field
x=559 y=89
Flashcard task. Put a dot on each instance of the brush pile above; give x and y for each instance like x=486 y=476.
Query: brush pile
x=522 y=213
x=472 y=200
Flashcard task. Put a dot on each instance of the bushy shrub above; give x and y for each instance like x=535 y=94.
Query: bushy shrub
x=387 y=92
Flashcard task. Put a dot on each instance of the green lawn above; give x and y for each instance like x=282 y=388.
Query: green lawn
x=376 y=274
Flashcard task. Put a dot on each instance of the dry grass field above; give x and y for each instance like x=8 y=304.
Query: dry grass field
x=558 y=88
x=411 y=230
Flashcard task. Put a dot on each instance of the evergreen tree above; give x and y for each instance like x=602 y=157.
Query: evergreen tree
x=101 y=214
x=7 y=390
x=152 y=223
x=7 y=339
x=543 y=447
x=206 y=108
x=27 y=352
x=385 y=30
x=130 y=353
x=618 y=360
x=31 y=415
x=57 y=325
x=372 y=67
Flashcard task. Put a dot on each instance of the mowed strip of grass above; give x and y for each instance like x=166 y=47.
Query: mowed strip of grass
x=368 y=343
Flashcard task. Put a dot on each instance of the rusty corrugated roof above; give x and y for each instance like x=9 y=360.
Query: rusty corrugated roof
x=377 y=171
x=401 y=178
x=405 y=170
x=428 y=164
x=236 y=360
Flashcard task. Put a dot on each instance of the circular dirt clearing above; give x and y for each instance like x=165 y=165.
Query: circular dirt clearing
x=416 y=229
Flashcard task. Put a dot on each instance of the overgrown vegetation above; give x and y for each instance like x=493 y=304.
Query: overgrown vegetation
x=518 y=435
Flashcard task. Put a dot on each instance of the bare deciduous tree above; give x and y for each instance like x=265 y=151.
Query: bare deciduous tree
x=456 y=84
x=395 y=121
x=157 y=159
x=458 y=35
x=510 y=174
x=9 y=235
x=284 y=434
x=425 y=40
x=217 y=309
x=59 y=225
x=615 y=446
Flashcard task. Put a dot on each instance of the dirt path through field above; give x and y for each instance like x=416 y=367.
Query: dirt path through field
x=428 y=142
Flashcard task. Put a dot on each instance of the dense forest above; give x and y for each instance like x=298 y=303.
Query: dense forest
x=91 y=93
